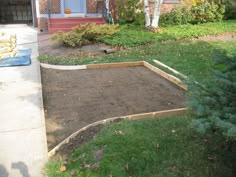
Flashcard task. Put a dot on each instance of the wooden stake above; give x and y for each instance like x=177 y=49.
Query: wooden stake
x=167 y=76
x=171 y=69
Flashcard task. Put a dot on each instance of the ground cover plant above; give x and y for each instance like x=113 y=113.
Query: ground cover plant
x=130 y=36
x=156 y=147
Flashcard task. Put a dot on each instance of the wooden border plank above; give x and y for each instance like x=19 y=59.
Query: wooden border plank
x=158 y=114
x=170 y=69
x=167 y=76
x=114 y=65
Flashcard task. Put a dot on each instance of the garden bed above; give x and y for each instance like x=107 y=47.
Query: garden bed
x=74 y=99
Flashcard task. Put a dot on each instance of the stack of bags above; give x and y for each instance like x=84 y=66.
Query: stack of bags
x=7 y=45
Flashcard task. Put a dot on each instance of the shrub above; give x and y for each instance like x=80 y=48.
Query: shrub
x=208 y=12
x=230 y=9
x=178 y=16
x=128 y=9
x=214 y=104
x=139 y=19
x=84 y=34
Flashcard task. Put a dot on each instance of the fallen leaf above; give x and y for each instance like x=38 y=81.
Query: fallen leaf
x=95 y=167
x=173 y=167
x=127 y=167
x=87 y=165
x=72 y=172
x=63 y=168
x=119 y=132
x=211 y=158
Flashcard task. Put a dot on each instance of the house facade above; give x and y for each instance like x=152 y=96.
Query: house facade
x=54 y=15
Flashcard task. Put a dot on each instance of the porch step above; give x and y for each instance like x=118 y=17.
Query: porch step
x=79 y=19
x=66 y=24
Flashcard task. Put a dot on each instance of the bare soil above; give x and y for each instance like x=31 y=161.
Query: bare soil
x=74 y=99
x=46 y=47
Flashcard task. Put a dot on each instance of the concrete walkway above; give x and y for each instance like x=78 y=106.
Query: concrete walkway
x=23 y=147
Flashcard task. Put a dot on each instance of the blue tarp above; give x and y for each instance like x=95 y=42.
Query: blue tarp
x=22 y=59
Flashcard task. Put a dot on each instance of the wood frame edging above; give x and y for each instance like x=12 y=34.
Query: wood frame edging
x=158 y=114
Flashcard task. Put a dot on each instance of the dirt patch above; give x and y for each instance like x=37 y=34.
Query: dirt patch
x=223 y=37
x=46 y=47
x=87 y=51
x=74 y=99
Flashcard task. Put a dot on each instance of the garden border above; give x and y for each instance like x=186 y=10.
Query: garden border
x=158 y=114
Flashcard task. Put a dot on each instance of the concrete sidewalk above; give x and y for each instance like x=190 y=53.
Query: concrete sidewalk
x=23 y=147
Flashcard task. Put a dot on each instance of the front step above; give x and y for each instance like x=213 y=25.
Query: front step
x=66 y=24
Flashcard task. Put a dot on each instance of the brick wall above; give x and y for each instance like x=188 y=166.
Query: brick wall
x=95 y=6
x=165 y=8
x=42 y=24
x=55 y=6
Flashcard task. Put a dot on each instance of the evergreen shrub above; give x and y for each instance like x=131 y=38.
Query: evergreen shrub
x=214 y=103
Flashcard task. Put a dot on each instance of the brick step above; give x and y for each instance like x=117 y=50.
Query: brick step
x=76 y=20
x=67 y=24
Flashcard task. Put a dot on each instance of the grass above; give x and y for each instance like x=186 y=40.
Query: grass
x=165 y=147
x=192 y=58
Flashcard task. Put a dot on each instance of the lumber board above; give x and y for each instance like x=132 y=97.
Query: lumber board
x=114 y=65
x=165 y=75
x=170 y=69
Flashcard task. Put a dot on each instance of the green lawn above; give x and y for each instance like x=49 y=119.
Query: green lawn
x=192 y=58
x=165 y=147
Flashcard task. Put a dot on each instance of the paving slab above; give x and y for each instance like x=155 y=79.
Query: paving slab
x=23 y=149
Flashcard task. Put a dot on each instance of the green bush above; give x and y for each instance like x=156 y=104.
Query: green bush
x=178 y=16
x=84 y=34
x=127 y=10
x=230 y=9
x=208 y=12
x=214 y=103
x=139 y=19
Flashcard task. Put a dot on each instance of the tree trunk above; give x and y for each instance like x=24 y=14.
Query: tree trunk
x=147 y=15
x=156 y=14
x=107 y=8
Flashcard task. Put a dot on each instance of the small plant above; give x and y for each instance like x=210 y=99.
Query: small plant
x=178 y=16
x=139 y=19
x=128 y=10
x=84 y=34
x=230 y=9
x=208 y=12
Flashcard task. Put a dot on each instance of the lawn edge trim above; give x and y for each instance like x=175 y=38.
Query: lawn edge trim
x=158 y=114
